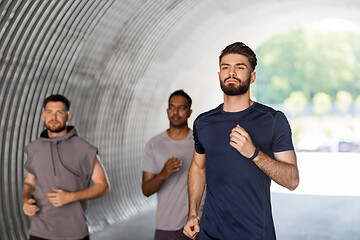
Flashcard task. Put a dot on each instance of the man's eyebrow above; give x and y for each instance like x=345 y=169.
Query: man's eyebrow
x=64 y=110
x=237 y=64
x=180 y=105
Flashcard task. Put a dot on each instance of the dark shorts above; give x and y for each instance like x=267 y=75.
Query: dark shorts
x=39 y=238
x=170 y=235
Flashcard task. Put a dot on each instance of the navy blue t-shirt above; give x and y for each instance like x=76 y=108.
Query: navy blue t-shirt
x=237 y=204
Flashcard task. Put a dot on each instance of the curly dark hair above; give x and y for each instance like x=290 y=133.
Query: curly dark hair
x=181 y=93
x=240 y=48
x=57 y=98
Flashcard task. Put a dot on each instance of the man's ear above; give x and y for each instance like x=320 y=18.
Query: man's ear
x=69 y=116
x=252 y=77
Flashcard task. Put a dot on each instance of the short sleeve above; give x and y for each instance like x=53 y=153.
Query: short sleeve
x=92 y=154
x=149 y=161
x=282 y=137
x=27 y=164
x=198 y=147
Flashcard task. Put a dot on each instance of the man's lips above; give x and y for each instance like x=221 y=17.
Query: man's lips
x=176 y=118
x=232 y=80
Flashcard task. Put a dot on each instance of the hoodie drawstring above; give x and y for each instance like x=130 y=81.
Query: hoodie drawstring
x=52 y=159
x=62 y=163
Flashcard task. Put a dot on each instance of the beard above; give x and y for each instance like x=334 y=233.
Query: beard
x=55 y=129
x=177 y=122
x=232 y=89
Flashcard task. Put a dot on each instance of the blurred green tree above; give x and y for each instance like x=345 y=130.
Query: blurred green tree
x=322 y=103
x=343 y=101
x=295 y=104
x=357 y=102
x=307 y=61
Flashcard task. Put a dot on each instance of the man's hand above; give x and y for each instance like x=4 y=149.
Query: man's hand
x=241 y=141
x=192 y=227
x=171 y=166
x=59 y=197
x=29 y=207
x=151 y=183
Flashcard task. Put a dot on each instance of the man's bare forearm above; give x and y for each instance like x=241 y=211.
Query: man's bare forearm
x=28 y=190
x=196 y=186
x=95 y=191
x=151 y=186
x=281 y=172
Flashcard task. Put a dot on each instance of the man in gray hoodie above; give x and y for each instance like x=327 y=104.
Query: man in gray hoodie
x=59 y=168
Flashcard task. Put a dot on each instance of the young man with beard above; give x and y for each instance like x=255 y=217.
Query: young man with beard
x=60 y=166
x=166 y=164
x=240 y=146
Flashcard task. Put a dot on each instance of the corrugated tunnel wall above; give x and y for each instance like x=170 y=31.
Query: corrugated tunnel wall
x=117 y=61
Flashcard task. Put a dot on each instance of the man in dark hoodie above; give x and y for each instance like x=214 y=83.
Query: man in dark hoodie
x=60 y=166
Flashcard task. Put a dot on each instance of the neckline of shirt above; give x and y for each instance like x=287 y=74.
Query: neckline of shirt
x=237 y=113
x=189 y=135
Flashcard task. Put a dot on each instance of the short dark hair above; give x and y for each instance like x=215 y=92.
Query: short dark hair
x=57 y=98
x=242 y=49
x=181 y=93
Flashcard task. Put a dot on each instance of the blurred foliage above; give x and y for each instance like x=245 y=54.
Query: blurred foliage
x=343 y=101
x=296 y=103
x=322 y=103
x=357 y=102
x=309 y=62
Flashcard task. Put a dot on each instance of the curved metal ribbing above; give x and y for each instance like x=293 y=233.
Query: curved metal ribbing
x=117 y=61
x=38 y=43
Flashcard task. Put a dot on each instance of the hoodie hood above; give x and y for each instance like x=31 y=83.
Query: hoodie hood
x=71 y=131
